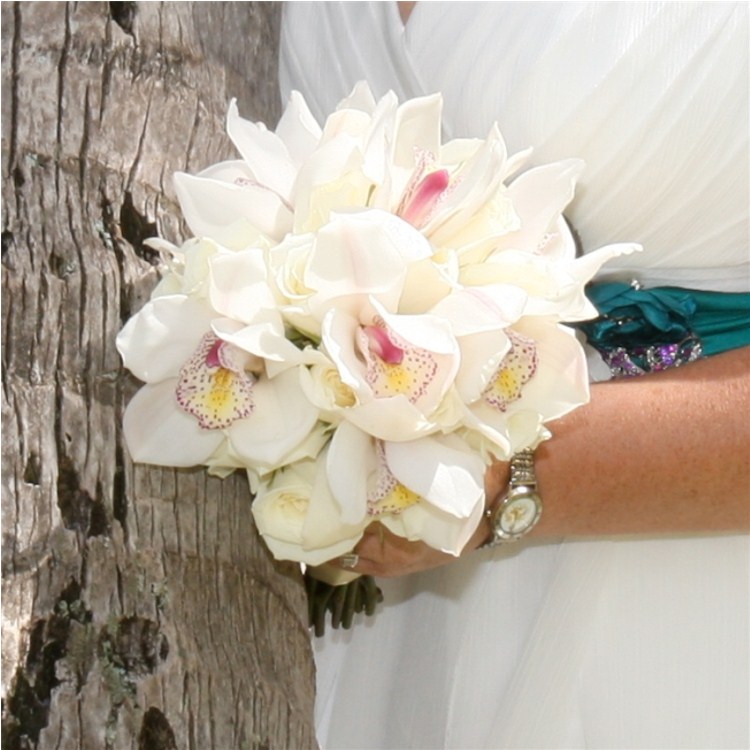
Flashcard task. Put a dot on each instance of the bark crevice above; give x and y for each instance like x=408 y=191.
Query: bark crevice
x=123 y=14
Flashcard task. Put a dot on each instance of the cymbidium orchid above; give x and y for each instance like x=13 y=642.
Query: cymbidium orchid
x=540 y=376
x=190 y=405
x=211 y=379
x=429 y=489
x=365 y=318
x=398 y=368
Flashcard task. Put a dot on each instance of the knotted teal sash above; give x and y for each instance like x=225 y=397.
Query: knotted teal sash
x=644 y=330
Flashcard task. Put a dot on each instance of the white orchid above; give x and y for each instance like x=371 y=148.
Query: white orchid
x=429 y=489
x=398 y=368
x=211 y=378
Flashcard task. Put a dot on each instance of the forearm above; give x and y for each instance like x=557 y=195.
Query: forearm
x=663 y=453
x=660 y=454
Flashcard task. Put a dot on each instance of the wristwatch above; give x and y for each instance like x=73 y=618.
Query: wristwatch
x=520 y=508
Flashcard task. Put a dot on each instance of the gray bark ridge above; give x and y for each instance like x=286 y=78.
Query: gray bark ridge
x=141 y=610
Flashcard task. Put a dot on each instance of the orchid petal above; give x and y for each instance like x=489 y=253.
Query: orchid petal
x=364 y=253
x=339 y=332
x=440 y=530
x=158 y=340
x=238 y=285
x=379 y=134
x=417 y=126
x=476 y=183
x=330 y=179
x=442 y=471
x=427 y=331
x=231 y=214
x=560 y=383
x=265 y=339
x=394 y=419
x=361 y=98
x=539 y=197
x=157 y=431
x=487 y=308
x=350 y=459
x=264 y=151
x=298 y=129
x=427 y=282
x=282 y=418
x=481 y=355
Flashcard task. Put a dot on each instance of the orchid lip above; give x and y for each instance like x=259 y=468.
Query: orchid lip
x=213 y=388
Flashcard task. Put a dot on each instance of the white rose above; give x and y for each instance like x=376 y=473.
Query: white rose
x=299 y=518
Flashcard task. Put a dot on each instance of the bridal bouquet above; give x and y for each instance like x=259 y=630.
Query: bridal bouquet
x=365 y=317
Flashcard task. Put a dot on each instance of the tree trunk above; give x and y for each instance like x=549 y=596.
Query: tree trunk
x=141 y=609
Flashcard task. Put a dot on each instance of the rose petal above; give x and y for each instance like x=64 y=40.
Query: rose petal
x=325 y=525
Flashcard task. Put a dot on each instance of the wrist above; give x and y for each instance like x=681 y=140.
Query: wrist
x=496 y=480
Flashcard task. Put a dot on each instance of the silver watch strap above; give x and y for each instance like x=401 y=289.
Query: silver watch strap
x=522 y=469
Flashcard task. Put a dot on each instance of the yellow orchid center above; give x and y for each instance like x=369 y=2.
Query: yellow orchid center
x=395 y=367
x=516 y=369
x=388 y=494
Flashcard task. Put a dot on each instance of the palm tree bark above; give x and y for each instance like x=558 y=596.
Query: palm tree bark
x=141 y=610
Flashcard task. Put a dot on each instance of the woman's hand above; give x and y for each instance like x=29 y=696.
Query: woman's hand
x=383 y=554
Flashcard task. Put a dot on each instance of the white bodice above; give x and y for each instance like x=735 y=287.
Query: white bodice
x=653 y=96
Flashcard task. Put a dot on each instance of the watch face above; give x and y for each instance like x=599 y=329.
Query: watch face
x=518 y=515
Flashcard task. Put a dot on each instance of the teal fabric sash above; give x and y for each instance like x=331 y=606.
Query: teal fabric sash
x=643 y=329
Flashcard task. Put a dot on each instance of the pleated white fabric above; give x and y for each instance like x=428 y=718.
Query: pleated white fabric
x=637 y=643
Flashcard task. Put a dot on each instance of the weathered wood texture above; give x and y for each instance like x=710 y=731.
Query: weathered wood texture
x=141 y=610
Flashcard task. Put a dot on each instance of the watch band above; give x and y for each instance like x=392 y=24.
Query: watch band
x=522 y=469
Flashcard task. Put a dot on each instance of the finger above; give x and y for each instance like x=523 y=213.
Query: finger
x=349 y=605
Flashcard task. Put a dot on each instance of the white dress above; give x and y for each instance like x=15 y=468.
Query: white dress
x=626 y=643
